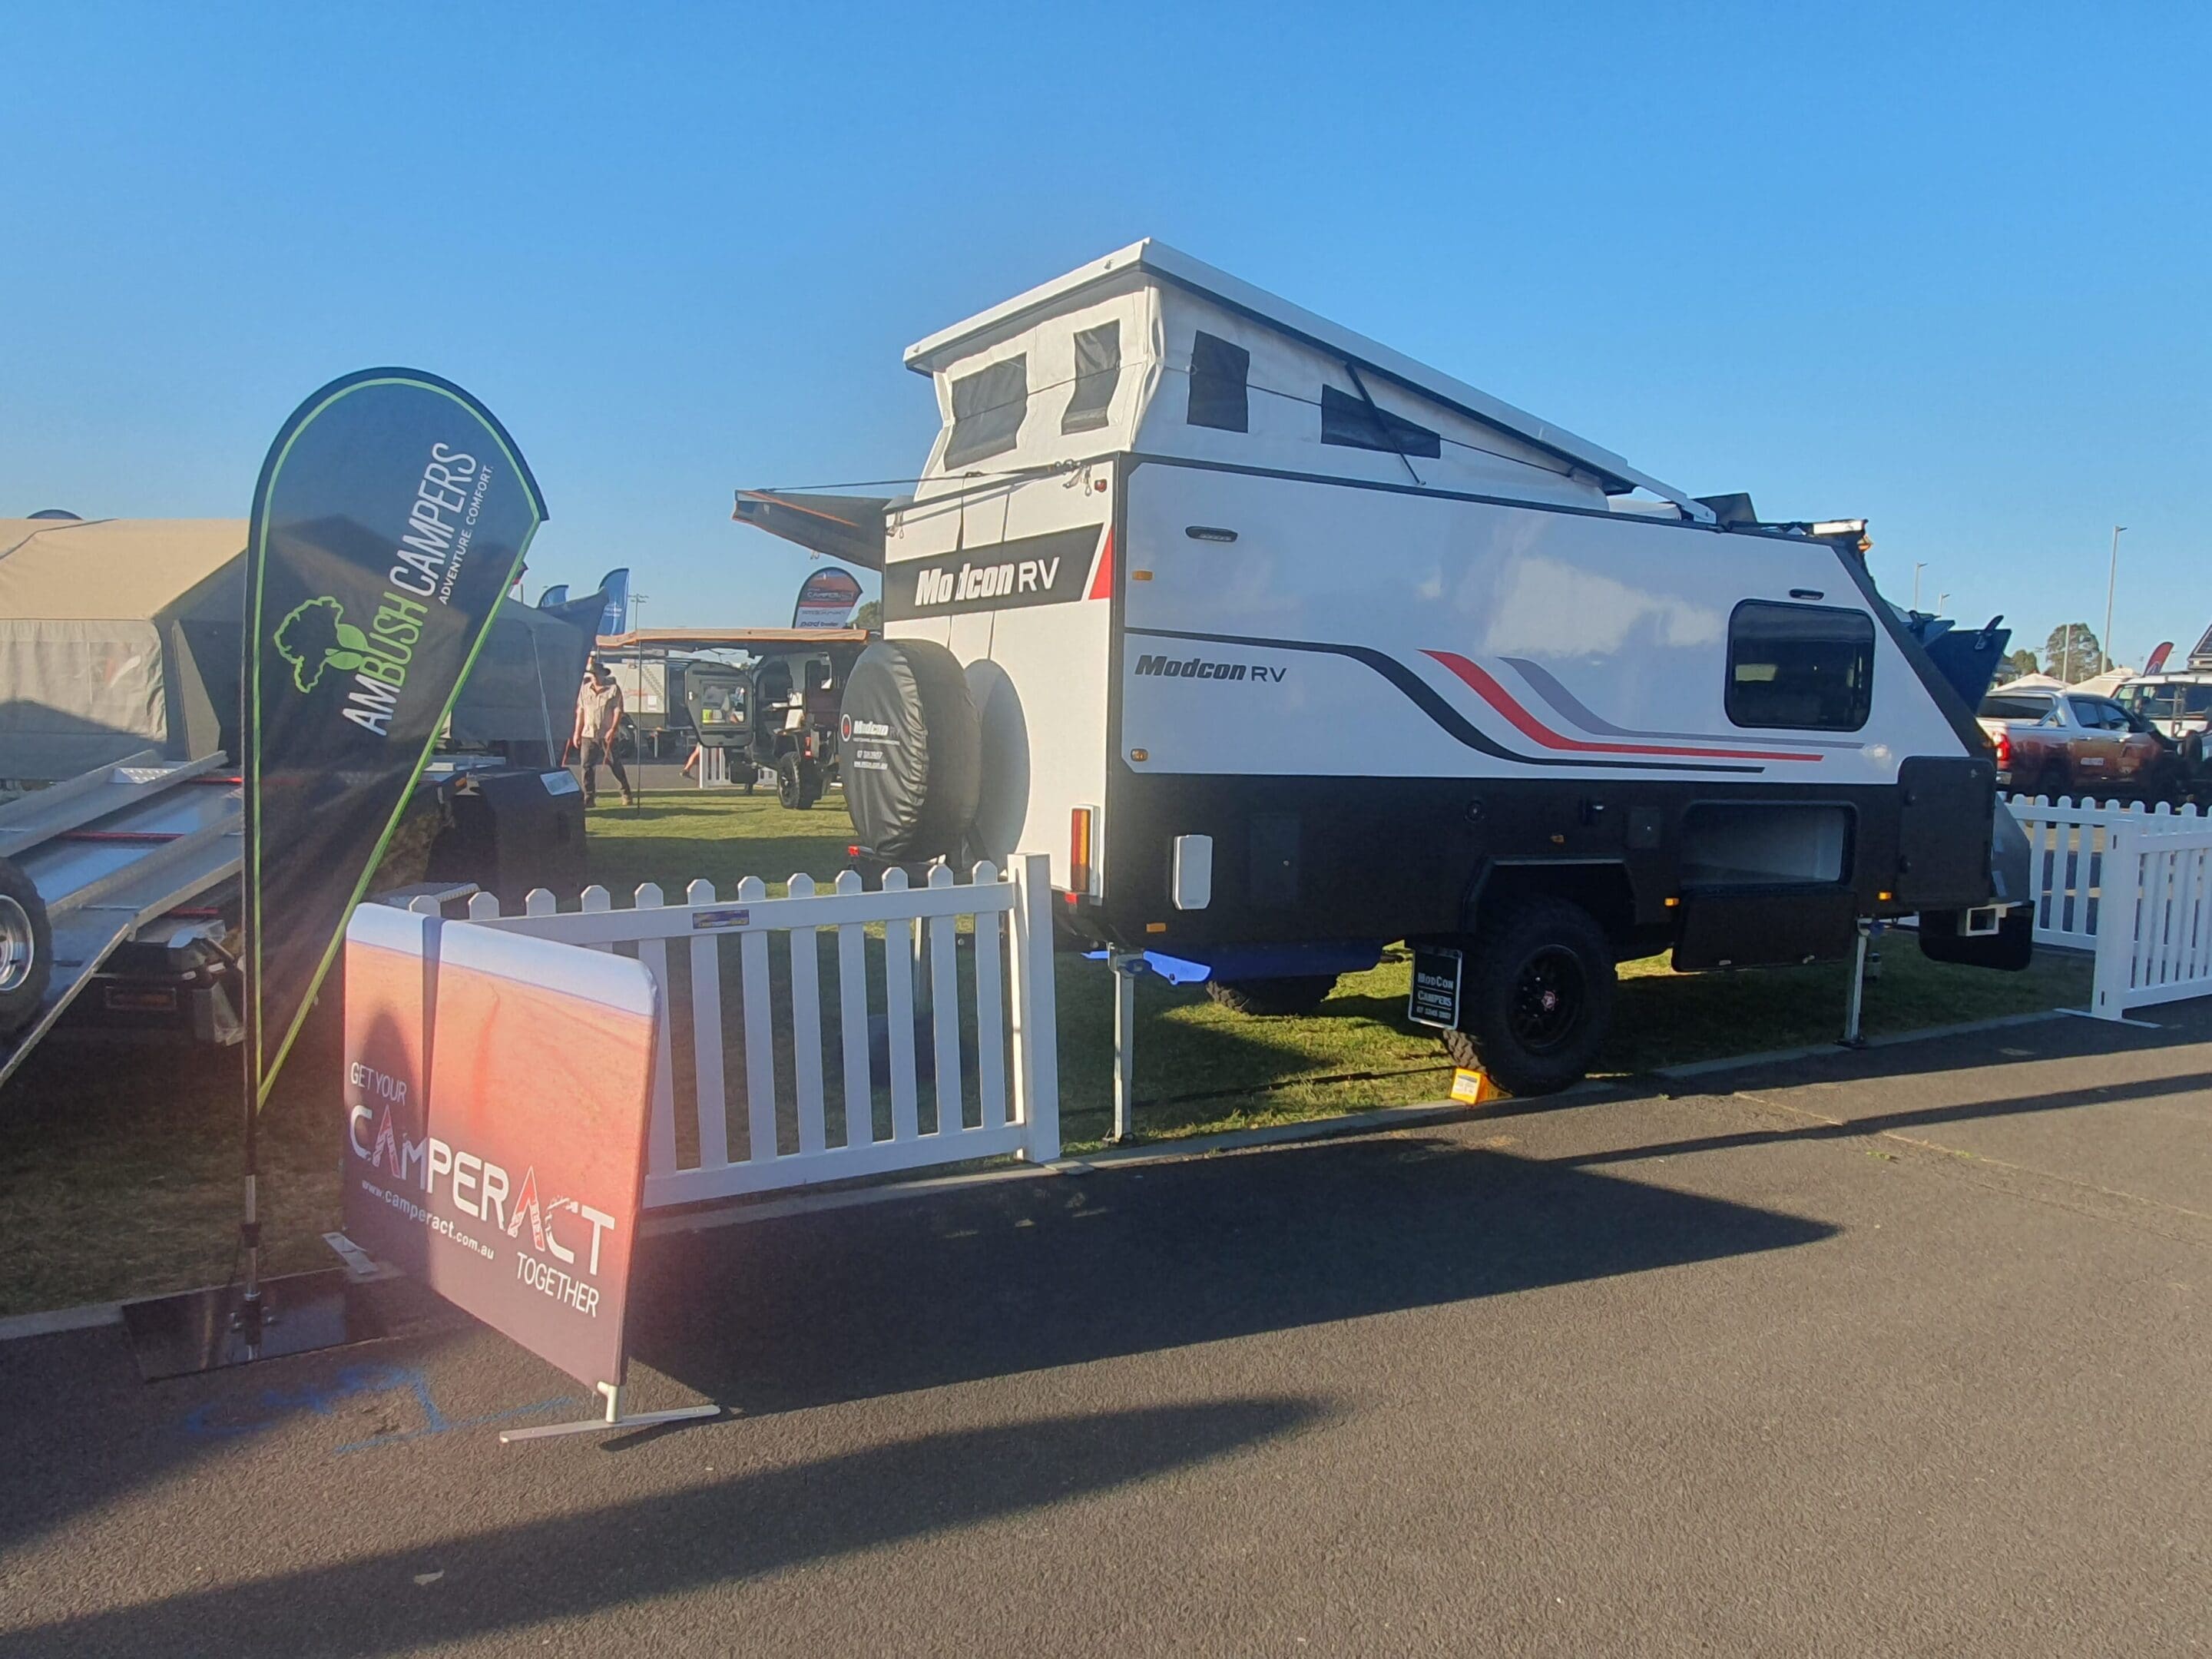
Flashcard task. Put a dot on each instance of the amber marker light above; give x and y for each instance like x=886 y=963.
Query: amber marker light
x=1079 y=850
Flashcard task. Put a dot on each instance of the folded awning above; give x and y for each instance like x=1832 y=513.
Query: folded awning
x=846 y=527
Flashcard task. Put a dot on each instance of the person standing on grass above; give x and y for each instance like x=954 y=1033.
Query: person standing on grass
x=598 y=718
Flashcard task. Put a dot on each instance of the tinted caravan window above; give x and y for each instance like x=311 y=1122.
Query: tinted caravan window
x=988 y=407
x=1219 y=374
x=1804 y=667
x=1355 y=423
x=1097 y=368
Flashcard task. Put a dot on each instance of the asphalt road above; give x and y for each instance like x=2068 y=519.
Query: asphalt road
x=1904 y=1351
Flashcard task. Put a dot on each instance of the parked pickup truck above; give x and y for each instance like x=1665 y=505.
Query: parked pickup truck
x=2055 y=742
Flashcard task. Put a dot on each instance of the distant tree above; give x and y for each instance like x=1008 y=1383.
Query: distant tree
x=870 y=616
x=2072 y=654
x=2021 y=662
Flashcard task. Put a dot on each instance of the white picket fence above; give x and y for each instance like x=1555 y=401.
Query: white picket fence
x=2069 y=840
x=2132 y=884
x=1009 y=1013
x=2155 y=936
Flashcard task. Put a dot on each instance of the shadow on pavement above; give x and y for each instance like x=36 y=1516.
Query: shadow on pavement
x=569 y=1565
x=2172 y=1026
x=1969 y=1111
x=852 y=1304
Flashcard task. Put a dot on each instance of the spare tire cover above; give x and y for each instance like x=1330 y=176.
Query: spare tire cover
x=910 y=750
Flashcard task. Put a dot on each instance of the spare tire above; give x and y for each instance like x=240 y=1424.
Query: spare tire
x=27 y=949
x=910 y=751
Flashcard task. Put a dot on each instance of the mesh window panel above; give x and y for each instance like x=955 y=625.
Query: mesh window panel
x=1097 y=371
x=988 y=407
x=1219 y=392
x=1354 y=424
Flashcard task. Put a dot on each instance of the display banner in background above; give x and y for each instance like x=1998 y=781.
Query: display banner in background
x=587 y=616
x=393 y=512
x=496 y=1088
x=614 y=588
x=826 y=598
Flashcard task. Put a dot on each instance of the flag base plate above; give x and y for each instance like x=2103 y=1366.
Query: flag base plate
x=198 y=1330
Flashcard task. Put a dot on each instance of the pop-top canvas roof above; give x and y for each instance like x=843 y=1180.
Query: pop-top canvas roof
x=1154 y=262
x=117 y=634
x=111 y=569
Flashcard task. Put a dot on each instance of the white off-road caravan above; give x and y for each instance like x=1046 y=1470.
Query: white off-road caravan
x=1287 y=648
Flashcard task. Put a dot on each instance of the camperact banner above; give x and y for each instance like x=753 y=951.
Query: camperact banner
x=393 y=512
x=496 y=1090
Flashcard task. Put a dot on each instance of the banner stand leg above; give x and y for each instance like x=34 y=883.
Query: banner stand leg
x=615 y=1418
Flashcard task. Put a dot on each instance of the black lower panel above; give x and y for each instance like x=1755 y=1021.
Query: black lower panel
x=1300 y=858
x=2011 y=948
x=1771 y=929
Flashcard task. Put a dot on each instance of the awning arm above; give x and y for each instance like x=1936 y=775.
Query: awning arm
x=849 y=528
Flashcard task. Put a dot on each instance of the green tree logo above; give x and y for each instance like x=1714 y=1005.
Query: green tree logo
x=317 y=636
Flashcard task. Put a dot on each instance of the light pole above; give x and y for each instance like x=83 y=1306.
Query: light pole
x=1942 y=603
x=1916 y=569
x=2111 y=580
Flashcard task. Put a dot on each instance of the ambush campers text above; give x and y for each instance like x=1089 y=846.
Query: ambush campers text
x=426 y=564
x=1549 y=713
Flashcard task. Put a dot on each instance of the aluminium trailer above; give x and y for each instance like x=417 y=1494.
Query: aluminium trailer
x=102 y=860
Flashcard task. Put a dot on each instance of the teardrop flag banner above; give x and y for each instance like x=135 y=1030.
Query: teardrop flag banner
x=393 y=512
x=826 y=598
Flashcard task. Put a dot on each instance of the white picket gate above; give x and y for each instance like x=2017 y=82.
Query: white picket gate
x=2155 y=937
x=1010 y=1012
x=2069 y=841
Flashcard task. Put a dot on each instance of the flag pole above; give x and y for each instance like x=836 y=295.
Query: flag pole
x=249 y=1318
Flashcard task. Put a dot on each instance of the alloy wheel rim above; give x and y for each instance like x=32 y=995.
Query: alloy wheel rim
x=1550 y=994
x=18 y=945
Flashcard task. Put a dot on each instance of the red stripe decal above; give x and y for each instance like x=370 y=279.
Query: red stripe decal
x=1536 y=732
x=1102 y=585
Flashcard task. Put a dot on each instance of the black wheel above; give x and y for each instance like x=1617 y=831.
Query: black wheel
x=1537 y=1000
x=1298 y=994
x=2051 y=782
x=798 y=782
x=27 y=949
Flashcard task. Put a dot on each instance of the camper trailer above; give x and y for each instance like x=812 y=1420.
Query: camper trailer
x=1285 y=647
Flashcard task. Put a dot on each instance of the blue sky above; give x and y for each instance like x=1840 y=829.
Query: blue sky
x=1948 y=269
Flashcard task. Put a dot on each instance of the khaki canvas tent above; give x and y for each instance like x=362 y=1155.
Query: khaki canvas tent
x=122 y=635
x=117 y=636
x=521 y=692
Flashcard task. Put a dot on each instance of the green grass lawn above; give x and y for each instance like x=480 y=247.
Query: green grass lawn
x=118 y=1166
